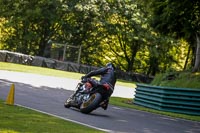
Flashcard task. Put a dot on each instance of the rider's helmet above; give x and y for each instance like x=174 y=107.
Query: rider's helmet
x=110 y=65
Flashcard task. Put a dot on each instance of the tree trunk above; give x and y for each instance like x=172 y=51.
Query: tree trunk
x=197 y=59
x=187 y=58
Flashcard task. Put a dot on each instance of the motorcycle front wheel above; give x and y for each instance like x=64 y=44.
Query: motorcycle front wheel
x=91 y=104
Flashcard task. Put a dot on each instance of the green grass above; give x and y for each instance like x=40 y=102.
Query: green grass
x=180 y=80
x=15 y=119
x=128 y=103
x=38 y=70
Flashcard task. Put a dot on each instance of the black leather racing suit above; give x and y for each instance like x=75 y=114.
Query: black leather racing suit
x=108 y=76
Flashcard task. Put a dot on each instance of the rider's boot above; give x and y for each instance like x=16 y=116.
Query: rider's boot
x=104 y=104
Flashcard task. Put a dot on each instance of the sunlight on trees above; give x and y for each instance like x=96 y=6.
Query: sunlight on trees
x=138 y=36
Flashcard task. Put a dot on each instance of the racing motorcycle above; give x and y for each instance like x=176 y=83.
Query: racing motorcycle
x=89 y=95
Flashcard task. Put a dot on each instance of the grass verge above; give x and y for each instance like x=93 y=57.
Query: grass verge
x=16 y=119
x=128 y=103
x=178 y=79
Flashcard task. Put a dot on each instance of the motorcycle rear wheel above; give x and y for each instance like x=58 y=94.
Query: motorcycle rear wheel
x=91 y=104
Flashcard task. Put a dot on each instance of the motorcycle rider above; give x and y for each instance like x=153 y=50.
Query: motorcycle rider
x=107 y=79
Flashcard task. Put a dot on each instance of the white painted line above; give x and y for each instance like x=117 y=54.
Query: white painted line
x=117 y=108
x=122 y=120
x=101 y=129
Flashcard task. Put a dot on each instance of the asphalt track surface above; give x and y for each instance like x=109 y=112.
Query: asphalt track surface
x=114 y=119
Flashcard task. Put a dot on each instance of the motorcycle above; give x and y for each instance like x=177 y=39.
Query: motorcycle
x=89 y=95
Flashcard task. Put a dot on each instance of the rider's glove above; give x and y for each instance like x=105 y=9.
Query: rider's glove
x=84 y=79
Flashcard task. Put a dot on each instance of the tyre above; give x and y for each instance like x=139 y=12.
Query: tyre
x=91 y=104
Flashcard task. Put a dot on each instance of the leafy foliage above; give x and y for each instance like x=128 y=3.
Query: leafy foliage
x=107 y=30
x=30 y=24
x=179 y=19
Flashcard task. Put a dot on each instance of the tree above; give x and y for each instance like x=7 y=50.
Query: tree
x=82 y=25
x=107 y=30
x=30 y=24
x=125 y=29
x=179 y=19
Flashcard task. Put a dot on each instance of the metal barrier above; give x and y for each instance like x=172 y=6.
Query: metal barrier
x=178 y=100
